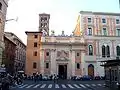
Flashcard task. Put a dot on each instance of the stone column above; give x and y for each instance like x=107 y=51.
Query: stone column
x=53 y=61
x=83 y=67
x=73 y=62
x=42 y=61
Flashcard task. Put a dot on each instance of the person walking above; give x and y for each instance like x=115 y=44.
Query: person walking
x=54 y=78
x=5 y=83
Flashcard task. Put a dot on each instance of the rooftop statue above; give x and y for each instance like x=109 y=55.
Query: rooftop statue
x=52 y=32
x=63 y=34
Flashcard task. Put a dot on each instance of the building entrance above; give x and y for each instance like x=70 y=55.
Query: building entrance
x=91 y=70
x=62 y=71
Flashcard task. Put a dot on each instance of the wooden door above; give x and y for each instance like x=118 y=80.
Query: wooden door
x=91 y=70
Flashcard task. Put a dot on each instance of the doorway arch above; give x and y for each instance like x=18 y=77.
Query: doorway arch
x=91 y=70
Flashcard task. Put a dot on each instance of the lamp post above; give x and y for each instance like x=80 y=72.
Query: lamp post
x=12 y=20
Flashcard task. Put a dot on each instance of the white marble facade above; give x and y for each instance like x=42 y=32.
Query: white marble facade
x=67 y=47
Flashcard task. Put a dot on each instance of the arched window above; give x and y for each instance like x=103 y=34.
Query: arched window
x=108 y=51
x=90 y=50
x=0 y=6
x=103 y=51
x=118 y=50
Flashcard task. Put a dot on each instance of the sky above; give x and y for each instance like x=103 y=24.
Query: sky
x=63 y=14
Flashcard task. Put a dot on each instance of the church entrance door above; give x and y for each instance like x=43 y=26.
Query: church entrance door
x=62 y=71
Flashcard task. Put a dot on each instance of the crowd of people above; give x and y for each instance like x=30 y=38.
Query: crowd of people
x=7 y=80
x=39 y=77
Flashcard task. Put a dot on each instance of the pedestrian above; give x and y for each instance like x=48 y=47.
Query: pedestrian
x=40 y=77
x=54 y=78
x=5 y=83
x=57 y=78
x=35 y=78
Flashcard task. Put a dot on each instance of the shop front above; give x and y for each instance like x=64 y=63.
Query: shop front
x=112 y=73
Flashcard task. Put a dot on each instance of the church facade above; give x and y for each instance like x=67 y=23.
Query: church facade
x=63 y=56
x=95 y=38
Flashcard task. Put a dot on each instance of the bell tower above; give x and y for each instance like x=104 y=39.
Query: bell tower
x=44 y=23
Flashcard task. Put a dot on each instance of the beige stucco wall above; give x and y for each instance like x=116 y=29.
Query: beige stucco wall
x=29 y=54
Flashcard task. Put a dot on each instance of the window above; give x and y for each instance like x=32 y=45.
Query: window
x=45 y=18
x=35 y=36
x=35 y=53
x=42 y=18
x=78 y=66
x=47 y=53
x=47 y=65
x=118 y=50
x=108 y=51
x=35 y=44
x=0 y=6
x=89 y=20
x=117 y=21
x=42 y=25
x=77 y=54
x=103 y=51
x=90 y=47
x=103 y=20
x=89 y=31
x=34 y=65
x=118 y=32
x=104 y=31
x=45 y=24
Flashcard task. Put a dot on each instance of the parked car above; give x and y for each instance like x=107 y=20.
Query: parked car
x=86 y=77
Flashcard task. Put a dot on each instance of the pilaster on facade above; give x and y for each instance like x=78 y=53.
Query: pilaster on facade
x=53 y=61
x=73 y=62
x=83 y=67
x=42 y=61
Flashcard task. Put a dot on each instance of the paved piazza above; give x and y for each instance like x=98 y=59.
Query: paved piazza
x=62 y=85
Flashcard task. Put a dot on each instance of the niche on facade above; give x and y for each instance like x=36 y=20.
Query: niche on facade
x=62 y=55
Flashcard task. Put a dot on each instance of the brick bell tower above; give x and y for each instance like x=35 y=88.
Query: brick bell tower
x=44 y=23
